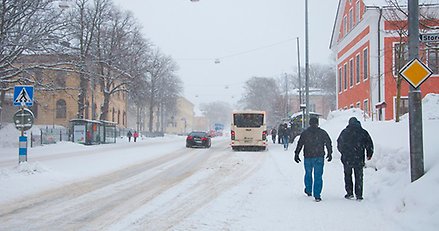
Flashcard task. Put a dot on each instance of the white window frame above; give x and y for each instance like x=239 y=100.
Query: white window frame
x=365 y=64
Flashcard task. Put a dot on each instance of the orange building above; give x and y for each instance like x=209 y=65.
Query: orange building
x=370 y=45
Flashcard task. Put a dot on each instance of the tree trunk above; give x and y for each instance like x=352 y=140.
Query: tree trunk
x=105 y=106
x=151 y=117
x=82 y=93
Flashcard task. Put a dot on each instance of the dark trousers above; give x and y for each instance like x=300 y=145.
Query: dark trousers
x=349 y=185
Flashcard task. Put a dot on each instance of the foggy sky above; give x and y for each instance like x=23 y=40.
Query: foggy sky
x=249 y=37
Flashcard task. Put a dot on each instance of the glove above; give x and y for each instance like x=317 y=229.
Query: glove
x=296 y=158
x=329 y=157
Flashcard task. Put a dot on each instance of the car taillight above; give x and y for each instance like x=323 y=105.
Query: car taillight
x=204 y=139
x=189 y=138
x=232 y=134
x=264 y=135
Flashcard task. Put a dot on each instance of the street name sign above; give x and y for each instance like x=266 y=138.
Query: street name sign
x=415 y=72
x=23 y=95
x=429 y=37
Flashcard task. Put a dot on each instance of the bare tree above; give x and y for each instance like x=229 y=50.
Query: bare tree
x=26 y=26
x=261 y=93
x=83 y=22
x=217 y=112
x=113 y=42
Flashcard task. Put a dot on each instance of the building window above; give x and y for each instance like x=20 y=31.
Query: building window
x=113 y=113
x=357 y=105
x=60 y=79
x=345 y=77
x=357 y=69
x=118 y=116
x=124 y=118
x=340 y=74
x=366 y=106
x=345 y=26
x=87 y=110
x=403 y=105
x=400 y=56
x=351 y=19
x=433 y=60
x=358 y=11
x=351 y=73
x=61 y=109
x=365 y=64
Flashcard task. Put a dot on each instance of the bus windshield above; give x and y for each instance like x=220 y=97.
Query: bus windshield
x=248 y=120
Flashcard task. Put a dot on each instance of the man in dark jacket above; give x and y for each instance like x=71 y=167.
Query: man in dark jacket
x=280 y=133
x=314 y=140
x=273 y=135
x=352 y=144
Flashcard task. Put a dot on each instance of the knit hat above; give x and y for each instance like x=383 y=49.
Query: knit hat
x=313 y=121
x=353 y=121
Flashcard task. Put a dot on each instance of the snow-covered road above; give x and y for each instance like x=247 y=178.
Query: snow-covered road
x=158 y=184
x=139 y=191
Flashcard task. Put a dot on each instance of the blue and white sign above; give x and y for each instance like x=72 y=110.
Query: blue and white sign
x=23 y=95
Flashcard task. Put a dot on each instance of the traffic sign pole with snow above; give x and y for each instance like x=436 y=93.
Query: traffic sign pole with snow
x=415 y=72
x=23 y=95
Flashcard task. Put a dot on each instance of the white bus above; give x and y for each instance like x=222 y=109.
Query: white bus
x=249 y=130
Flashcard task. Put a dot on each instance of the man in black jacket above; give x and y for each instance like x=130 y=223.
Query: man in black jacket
x=314 y=140
x=352 y=144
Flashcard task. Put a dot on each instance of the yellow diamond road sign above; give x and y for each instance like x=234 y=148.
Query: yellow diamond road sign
x=415 y=72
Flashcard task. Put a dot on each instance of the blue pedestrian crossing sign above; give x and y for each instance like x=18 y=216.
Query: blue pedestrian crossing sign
x=23 y=95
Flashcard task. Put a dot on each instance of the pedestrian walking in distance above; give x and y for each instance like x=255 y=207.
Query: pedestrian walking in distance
x=354 y=143
x=273 y=135
x=286 y=136
x=135 y=135
x=129 y=134
x=314 y=140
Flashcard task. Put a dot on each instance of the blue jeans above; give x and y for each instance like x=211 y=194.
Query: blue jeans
x=314 y=164
x=285 y=141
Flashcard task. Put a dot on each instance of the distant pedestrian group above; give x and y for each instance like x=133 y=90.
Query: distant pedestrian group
x=135 y=135
x=283 y=135
x=355 y=145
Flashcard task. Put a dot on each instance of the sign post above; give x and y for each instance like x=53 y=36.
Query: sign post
x=23 y=118
x=415 y=97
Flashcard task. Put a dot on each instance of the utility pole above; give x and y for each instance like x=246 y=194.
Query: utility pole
x=306 y=65
x=298 y=71
x=415 y=98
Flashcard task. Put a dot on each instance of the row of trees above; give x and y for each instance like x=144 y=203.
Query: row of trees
x=106 y=44
x=268 y=94
x=274 y=91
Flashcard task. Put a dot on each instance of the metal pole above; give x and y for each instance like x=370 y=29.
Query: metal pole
x=298 y=72
x=415 y=98
x=306 y=66
x=286 y=95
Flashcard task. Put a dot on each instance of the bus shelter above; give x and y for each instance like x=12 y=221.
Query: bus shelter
x=109 y=132
x=87 y=132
